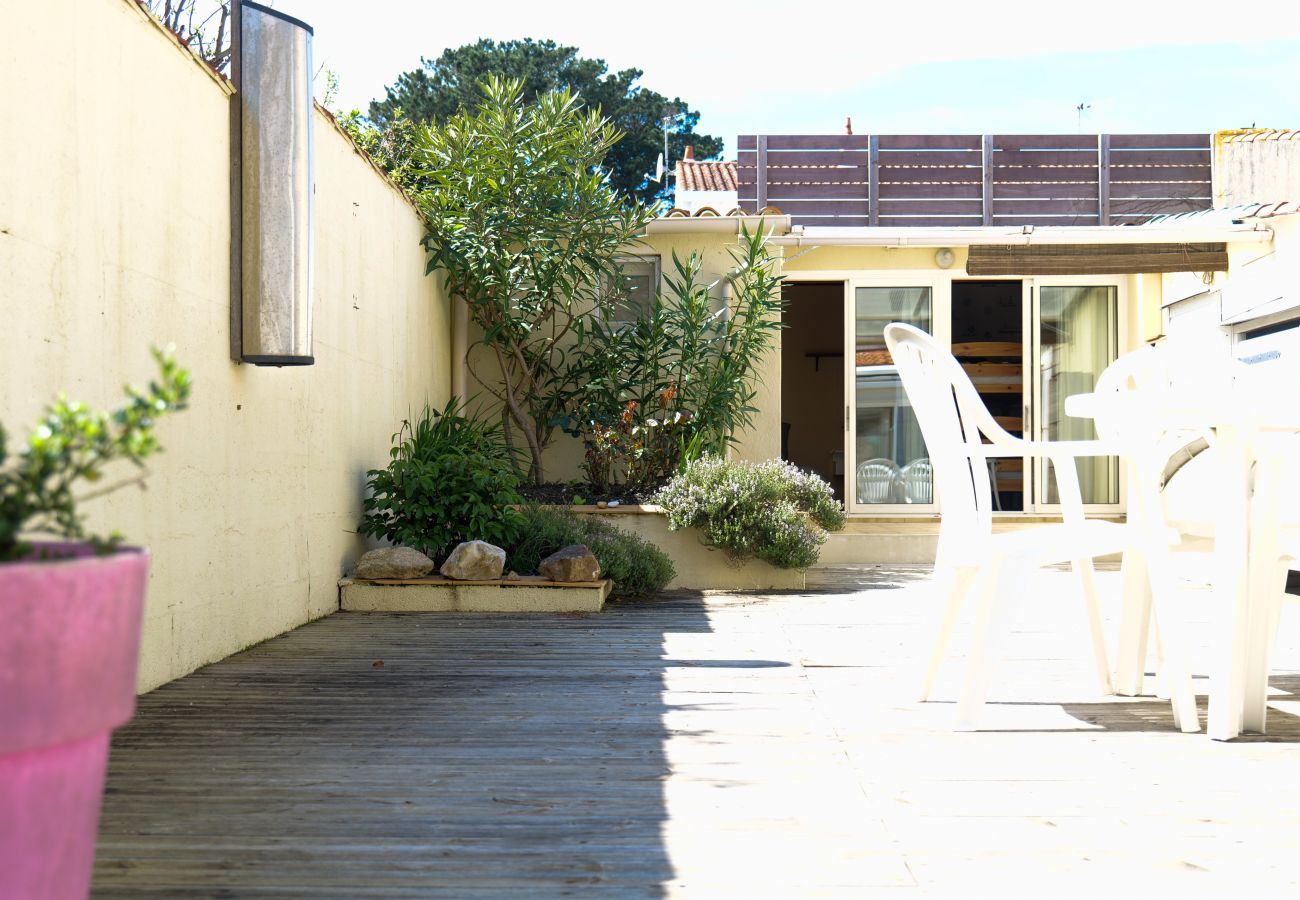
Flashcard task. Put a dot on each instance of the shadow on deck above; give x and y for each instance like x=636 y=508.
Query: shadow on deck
x=716 y=746
x=388 y=755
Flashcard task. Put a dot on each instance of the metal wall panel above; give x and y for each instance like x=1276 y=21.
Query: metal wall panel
x=277 y=165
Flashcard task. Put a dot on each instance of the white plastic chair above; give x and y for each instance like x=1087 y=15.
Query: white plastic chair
x=918 y=481
x=878 y=481
x=1150 y=570
x=1172 y=498
x=955 y=424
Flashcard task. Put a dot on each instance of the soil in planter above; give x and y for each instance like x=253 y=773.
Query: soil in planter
x=561 y=493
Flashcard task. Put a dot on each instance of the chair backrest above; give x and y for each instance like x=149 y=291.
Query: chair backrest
x=954 y=422
x=918 y=481
x=1142 y=375
x=878 y=481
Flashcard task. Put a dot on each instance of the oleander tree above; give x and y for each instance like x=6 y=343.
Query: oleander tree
x=526 y=227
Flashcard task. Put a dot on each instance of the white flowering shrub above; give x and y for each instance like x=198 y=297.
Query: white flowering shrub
x=772 y=511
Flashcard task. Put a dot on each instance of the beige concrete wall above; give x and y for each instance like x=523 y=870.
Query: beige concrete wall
x=1261 y=280
x=699 y=567
x=114 y=235
x=1256 y=166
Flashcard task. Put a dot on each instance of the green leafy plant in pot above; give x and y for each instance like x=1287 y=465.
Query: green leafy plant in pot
x=70 y=638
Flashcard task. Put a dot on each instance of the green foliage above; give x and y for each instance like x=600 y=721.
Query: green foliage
x=680 y=382
x=449 y=479
x=771 y=511
x=527 y=230
x=73 y=444
x=391 y=147
x=637 y=567
x=452 y=83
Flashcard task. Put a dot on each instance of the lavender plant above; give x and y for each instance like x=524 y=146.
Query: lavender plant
x=772 y=510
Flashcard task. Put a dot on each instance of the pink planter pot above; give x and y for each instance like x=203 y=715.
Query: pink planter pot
x=69 y=647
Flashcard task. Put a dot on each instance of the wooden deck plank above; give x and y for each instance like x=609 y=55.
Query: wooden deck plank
x=756 y=745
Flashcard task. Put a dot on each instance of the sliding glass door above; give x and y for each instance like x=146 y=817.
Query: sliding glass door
x=1071 y=329
x=1075 y=334
x=889 y=467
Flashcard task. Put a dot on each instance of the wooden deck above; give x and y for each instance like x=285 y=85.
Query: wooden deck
x=729 y=746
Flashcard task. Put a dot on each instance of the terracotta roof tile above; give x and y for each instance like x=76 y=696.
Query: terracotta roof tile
x=707 y=212
x=1285 y=208
x=1226 y=215
x=1252 y=135
x=706 y=176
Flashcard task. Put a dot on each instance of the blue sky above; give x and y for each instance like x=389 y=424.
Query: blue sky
x=937 y=67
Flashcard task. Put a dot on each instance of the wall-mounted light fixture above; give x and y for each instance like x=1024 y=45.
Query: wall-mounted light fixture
x=271 y=188
x=944 y=258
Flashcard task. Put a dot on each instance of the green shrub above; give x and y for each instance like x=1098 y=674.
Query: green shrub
x=637 y=567
x=72 y=444
x=450 y=479
x=681 y=381
x=771 y=511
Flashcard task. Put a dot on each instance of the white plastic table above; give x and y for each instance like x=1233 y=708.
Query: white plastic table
x=1242 y=415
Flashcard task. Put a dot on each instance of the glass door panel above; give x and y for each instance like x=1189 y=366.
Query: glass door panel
x=1077 y=336
x=890 y=465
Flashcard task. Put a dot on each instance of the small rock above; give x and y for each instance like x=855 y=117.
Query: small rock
x=393 y=562
x=475 y=561
x=572 y=563
x=512 y=575
x=601 y=504
x=613 y=503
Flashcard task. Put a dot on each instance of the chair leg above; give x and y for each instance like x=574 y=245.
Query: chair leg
x=1161 y=691
x=1135 y=616
x=951 y=585
x=1267 y=574
x=999 y=584
x=1088 y=582
x=1254 y=714
x=1173 y=667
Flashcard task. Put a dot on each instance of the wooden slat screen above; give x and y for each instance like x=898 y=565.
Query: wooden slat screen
x=948 y=180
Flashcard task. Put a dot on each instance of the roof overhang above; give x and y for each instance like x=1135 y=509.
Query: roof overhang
x=1026 y=235
x=774 y=225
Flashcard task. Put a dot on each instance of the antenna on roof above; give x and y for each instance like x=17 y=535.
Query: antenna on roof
x=848 y=125
x=1081 y=109
x=668 y=120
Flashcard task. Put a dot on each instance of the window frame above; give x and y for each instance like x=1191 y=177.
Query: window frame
x=655 y=261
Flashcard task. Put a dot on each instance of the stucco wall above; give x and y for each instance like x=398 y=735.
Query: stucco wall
x=1255 y=166
x=1261 y=280
x=114 y=235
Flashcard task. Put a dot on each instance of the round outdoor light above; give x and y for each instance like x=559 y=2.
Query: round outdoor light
x=944 y=258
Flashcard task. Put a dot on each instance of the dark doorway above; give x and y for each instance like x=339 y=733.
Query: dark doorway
x=812 y=379
x=987 y=335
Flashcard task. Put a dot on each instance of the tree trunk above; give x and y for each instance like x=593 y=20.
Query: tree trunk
x=521 y=418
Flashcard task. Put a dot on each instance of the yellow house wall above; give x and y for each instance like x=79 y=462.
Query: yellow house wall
x=114 y=235
x=1258 y=274
x=563 y=460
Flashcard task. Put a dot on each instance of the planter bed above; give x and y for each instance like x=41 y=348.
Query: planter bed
x=528 y=594
x=698 y=567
